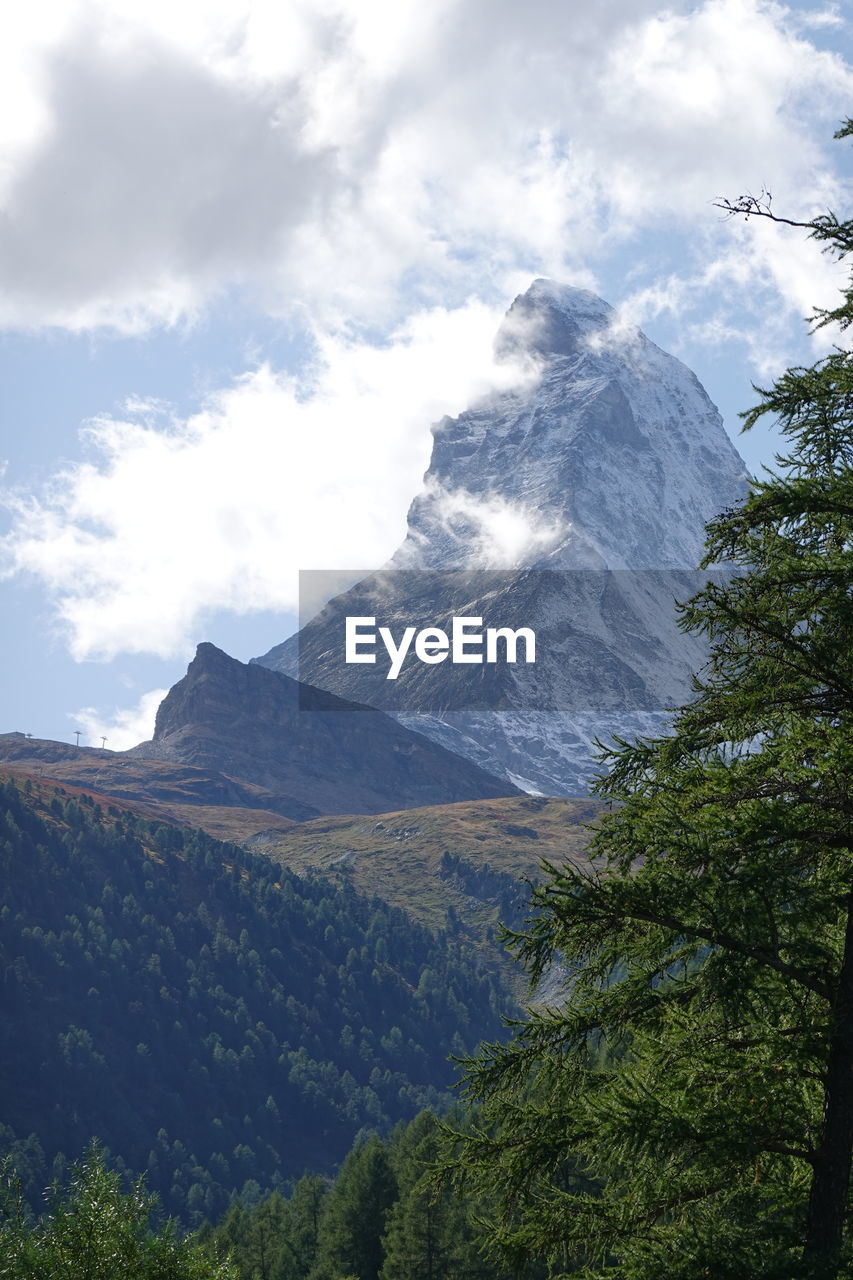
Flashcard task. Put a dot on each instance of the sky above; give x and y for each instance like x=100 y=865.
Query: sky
x=249 y=252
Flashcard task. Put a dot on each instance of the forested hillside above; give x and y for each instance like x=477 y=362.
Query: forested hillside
x=214 y=1019
x=385 y=1217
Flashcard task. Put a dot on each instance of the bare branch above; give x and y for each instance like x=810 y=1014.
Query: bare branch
x=750 y=206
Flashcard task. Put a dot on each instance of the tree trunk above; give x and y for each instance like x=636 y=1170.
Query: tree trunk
x=831 y=1178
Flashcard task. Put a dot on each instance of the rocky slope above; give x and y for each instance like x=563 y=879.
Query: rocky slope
x=310 y=752
x=601 y=470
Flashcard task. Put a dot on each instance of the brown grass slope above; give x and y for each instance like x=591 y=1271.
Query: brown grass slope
x=400 y=856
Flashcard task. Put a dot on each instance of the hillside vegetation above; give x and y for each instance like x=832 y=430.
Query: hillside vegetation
x=461 y=867
x=216 y=1020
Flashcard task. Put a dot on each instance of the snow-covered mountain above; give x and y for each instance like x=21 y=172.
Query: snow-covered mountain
x=614 y=457
x=603 y=466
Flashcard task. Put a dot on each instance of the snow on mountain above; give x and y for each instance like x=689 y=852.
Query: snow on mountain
x=614 y=457
x=611 y=458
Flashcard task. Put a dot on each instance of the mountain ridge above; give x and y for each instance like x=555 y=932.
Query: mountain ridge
x=312 y=751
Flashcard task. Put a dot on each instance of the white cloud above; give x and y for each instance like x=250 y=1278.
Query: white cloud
x=172 y=518
x=121 y=728
x=339 y=154
x=493 y=531
x=741 y=283
x=370 y=167
x=157 y=185
x=828 y=17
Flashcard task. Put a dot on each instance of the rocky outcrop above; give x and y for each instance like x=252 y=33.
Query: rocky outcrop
x=311 y=752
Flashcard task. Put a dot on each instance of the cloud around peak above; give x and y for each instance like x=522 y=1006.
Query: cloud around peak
x=170 y=518
x=389 y=176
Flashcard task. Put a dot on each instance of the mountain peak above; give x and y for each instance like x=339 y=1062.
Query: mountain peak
x=310 y=751
x=207 y=653
x=612 y=457
x=551 y=319
x=567 y=298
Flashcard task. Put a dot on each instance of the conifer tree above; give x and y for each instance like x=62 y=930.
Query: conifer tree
x=431 y=1235
x=354 y=1216
x=96 y=1231
x=688 y=1110
x=302 y=1223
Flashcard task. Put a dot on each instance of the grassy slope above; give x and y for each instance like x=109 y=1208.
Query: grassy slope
x=133 y=790
x=398 y=856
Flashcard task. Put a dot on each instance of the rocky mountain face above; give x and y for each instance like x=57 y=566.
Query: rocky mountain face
x=610 y=661
x=574 y=504
x=311 y=752
x=613 y=457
